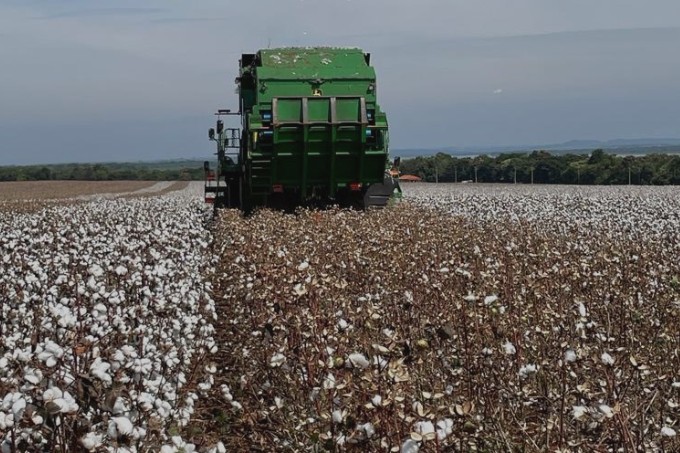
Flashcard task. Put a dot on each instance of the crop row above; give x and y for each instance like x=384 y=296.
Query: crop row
x=106 y=324
x=480 y=318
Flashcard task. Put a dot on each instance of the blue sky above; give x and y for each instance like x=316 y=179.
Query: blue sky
x=99 y=80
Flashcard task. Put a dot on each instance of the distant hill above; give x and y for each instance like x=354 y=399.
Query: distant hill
x=616 y=146
x=617 y=143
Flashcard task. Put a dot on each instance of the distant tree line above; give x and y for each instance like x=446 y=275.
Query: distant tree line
x=98 y=172
x=541 y=167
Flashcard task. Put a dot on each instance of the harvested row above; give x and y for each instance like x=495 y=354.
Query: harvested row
x=105 y=324
x=410 y=329
x=29 y=197
x=42 y=190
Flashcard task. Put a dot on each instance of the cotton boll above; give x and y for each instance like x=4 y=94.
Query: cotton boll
x=444 y=428
x=490 y=300
x=368 y=429
x=607 y=359
x=582 y=310
x=163 y=408
x=389 y=333
x=67 y=404
x=219 y=448
x=410 y=446
x=236 y=405
x=120 y=426
x=91 y=441
x=606 y=410
x=337 y=416
x=226 y=392
x=527 y=370
x=578 y=412
x=99 y=369
x=509 y=348
x=50 y=354
x=341 y=440
x=18 y=407
x=329 y=381
x=138 y=433
x=92 y=284
x=425 y=428
x=182 y=445
x=120 y=406
x=277 y=360
x=121 y=270
x=667 y=432
x=358 y=360
x=6 y=420
x=128 y=351
x=52 y=394
x=144 y=365
x=33 y=375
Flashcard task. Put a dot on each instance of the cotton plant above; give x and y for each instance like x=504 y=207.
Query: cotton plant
x=100 y=296
x=449 y=320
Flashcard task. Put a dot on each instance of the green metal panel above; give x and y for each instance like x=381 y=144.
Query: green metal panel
x=333 y=64
x=312 y=121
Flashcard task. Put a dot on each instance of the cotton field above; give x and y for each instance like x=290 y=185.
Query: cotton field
x=642 y=212
x=106 y=324
x=468 y=318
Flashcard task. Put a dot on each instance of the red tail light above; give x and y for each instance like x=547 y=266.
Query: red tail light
x=209 y=200
x=355 y=186
x=277 y=188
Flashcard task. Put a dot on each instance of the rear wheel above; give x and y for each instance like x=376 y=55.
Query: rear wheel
x=379 y=195
x=350 y=200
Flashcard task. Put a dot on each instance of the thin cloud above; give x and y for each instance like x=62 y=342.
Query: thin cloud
x=179 y=20
x=611 y=75
x=498 y=91
x=105 y=12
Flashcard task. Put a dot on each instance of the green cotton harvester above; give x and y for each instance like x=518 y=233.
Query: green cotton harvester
x=312 y=133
